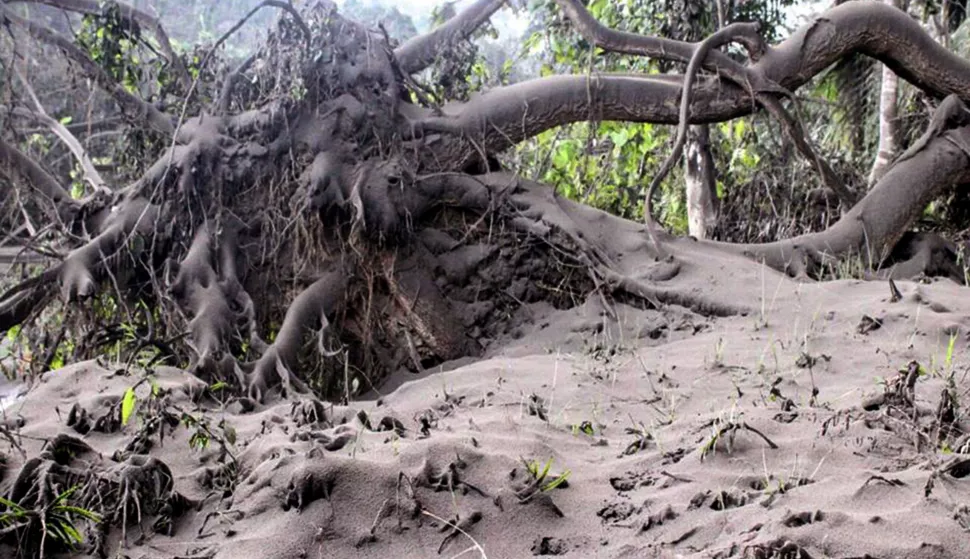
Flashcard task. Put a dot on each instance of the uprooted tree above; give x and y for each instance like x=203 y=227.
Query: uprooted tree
x=315 y=217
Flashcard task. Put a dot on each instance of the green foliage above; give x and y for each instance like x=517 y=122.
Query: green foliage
x=110 y=42
x=540 y=473
x=461 y=70
x=608 y=164
x=57 y=522
x=127 y=405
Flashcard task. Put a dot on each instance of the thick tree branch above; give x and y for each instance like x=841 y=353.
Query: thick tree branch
x=505 y=116
x=873 y=227
x=130 y=104
x=419 y=52
x=129 y=15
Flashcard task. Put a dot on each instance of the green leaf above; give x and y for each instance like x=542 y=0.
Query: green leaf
x=545 y=470
x=11 y=505
x=949 y=350
x=92 y=516
x=63 y=496
x=13 y=333
x=71 y=532
x=557 y=482
x=127 y=405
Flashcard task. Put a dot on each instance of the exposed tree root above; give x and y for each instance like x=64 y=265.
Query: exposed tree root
x=307 y=313
x=358 y=199
x=123 y=493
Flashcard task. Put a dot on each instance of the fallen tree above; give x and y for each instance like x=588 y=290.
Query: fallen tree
x=317 y=193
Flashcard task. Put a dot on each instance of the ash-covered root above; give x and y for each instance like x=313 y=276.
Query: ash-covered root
x=309 y=411
x=197 y=291
x=310 y=311
x=219 y=308
x=326 y=180
x=449 y=479
x=309 y=482
x=611 y=250
x=141 y=485
x=131 y=219
x=923 y=254
x=69 y=476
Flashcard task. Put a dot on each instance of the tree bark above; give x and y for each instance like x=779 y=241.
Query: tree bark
x=888 y=114
x=420 y=52
x=699 y=172
x=699 y=175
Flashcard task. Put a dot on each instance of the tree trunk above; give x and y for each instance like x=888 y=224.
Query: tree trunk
x=700 y=179
x=888 y=113
x=699 y=170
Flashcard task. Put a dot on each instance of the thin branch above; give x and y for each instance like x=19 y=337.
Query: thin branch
x=419 y=52
x=130 y=15
x=130 y=104
x=88 y=127
x=40 y=115
x=795 y=132
x=268 y=4
x=225 y=96
x=623 y=42
x=732 y=33
x=226 y=93
x=15 y=163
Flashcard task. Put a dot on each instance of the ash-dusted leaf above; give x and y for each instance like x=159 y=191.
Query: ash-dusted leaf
x=127 y=405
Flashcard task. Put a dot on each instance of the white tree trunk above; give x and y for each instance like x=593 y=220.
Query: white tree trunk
x=701 y=186
x=888 y=113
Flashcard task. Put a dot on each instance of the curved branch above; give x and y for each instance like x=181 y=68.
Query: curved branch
x=27 y=298
x=623 y=42
x=130 y=104
x=723 y=36
x=419 y=52
x=307 y=35
x=505 y=116
x=87 y=167
x=873 y=226
x=129 y=14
